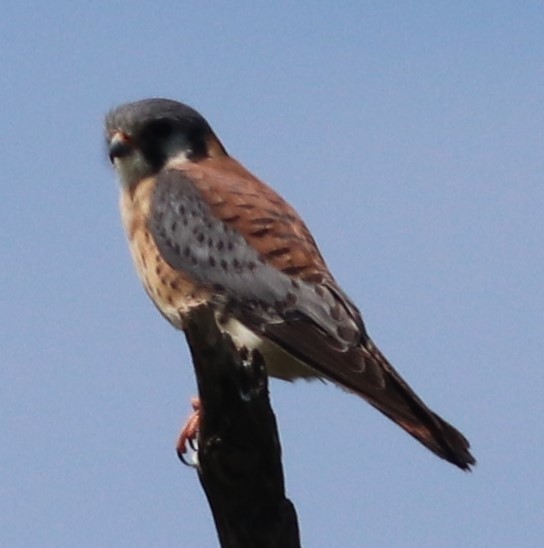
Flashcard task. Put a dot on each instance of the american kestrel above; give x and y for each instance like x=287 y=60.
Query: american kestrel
x=203 y=229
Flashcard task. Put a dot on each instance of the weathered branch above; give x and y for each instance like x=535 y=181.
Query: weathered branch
x=239 y=453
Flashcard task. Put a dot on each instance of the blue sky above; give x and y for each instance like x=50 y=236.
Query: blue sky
x=408 y=135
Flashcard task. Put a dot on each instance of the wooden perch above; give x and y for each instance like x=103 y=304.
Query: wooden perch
x=239 y=453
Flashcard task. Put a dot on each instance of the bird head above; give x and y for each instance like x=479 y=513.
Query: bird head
x=146 y=136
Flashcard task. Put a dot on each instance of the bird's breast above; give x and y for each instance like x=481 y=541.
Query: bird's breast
x=172 y=291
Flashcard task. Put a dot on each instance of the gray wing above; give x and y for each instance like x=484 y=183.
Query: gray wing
x=215 y=255
x=315 y=322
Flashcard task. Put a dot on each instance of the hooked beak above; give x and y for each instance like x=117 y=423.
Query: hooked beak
x=120 y=145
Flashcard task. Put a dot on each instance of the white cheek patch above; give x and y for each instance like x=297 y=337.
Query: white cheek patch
x=131 y=169
x=180 y=157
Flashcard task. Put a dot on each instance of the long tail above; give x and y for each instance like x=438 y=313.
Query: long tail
x=364 y=370
x=395 y=399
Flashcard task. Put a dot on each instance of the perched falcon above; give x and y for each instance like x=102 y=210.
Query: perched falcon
x=203 y=229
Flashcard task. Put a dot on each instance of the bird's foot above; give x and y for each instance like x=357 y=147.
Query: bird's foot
x=189 y=434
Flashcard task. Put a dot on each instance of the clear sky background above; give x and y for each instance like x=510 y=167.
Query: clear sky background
x=409 y=135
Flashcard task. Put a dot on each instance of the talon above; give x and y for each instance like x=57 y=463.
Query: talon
x=189 y=433
x=193 y=444
x=182 y=458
